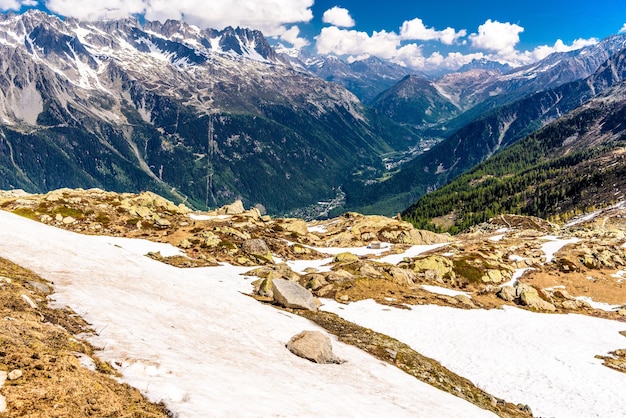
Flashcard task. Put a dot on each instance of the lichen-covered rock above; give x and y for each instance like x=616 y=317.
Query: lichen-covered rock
x=346 y=257
x=439 y=266
x=314 y=346
x=258 y=249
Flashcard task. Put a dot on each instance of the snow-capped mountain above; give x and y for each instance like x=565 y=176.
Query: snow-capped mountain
x=197 y=114
x=492 y=84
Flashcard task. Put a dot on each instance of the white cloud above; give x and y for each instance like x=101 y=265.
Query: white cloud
x=496 y=36
x=292 y=35
x=623 y=29
x=269 y=16
x=16 y=4
x=338 y=16
x=559 y=46
x=333 y=40
x=416 y=30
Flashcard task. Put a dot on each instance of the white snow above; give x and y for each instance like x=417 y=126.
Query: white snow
x=554 y=245
x=200 y=217
x=188 y=337
x=496 y=238
x=542 y=360
x=598 y=305
x=411 y=252
x=444 y=291
x=517 y=274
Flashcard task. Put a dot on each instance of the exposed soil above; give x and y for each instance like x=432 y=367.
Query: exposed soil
x=41 y=343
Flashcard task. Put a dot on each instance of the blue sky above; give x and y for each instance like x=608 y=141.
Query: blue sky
x=425 y=35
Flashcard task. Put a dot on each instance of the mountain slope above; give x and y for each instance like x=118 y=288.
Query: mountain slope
x=480 y=139
x=198 y=115
x=574 y=164
x=414 y=100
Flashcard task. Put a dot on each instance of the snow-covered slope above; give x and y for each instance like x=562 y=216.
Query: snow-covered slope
x=191 y=339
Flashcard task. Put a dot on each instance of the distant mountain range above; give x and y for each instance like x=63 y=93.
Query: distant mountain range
x=199 y=115
x=207 y=116
x=483 y=130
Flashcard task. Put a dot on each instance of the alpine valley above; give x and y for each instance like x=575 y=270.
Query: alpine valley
x=197 y=222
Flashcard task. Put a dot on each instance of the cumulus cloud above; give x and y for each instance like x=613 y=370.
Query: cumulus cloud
x=623 y=29
x=559 y=46
x=16 y=4
x=496 y=36
x=333 y=40
x=292 y=35
x=338 y=16
x=416 y=30
x=269 y=16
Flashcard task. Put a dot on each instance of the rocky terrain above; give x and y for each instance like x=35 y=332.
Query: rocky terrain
x=520 y=261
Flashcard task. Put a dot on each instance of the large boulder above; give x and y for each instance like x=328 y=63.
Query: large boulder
x=258 y=249
x=290 y=294
x=529 y=296
x=314 y=346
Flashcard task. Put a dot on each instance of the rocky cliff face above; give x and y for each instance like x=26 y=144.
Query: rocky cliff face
x=199 y=115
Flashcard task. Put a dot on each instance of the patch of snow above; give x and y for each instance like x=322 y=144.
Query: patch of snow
x=411 y=252
x=496 y=238
x=318 y=228
x=85 y=361
x=517 y=274
x=198 y=217
x=444 y=291
x=619 y=276
x=189 y=338
x=514 y=257
x=546 y=361
x=599 y=305
x=555 y=244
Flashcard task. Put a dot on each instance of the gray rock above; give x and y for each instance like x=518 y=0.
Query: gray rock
x=290 y=294
x=235 y=208
x=15 y=374
x=507 y=293
x=258 y=248
x=314 y=346
x=40 y=287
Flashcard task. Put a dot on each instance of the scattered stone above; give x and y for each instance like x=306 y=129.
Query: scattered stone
x=185 y=244
x=290 y=294
x=258 y=248
x=314 y=346
x=68 y=220
x=14 y=374
x=235 y=208
x=507 y=293
x=529 y=296
x=29 y=301
x=40 y=287
x=346 y=257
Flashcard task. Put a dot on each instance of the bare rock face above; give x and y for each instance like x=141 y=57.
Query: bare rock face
x=314 y=346
x=290 y=294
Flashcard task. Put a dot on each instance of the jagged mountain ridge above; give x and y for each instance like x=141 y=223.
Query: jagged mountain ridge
x=365 y=78
x=552 y=71
x=163 y=106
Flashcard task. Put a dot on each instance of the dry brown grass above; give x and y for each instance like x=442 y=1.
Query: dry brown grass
x=40 y=343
